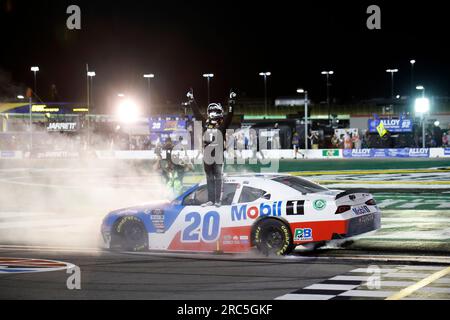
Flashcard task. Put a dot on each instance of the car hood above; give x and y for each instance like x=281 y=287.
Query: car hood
x=141 y=208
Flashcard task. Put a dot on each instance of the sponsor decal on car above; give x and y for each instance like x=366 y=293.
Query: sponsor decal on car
x=157 y=218
x=295 y=208
x=361 y=210
x=319 y=205
x=244 y=212
x=305 y=234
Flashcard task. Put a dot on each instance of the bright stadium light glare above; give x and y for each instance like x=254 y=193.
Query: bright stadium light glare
x=420 y=88
x=208 y=75
x=149 y=76
x=412 y=61
x=20 y=97
x=300 y=91
x=121 y=95
x=422 y=105
x=437 y=123
x=91 y=74
x=128 y=111
x=34 y=69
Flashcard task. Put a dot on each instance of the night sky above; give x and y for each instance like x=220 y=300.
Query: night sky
x=180 y=40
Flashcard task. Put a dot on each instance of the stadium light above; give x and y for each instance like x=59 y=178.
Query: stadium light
x=121 y=95
x=265 y=75
x=149 y=77
x=412 y=62
x=422 y=105
x=328 y=74
x=392 y=72
x=91 y=74
x=208 y=77
x=306 y=115
x=437 y=123
x=35 y=70
x=421 y=88
x=20 y=97
x=127 y=111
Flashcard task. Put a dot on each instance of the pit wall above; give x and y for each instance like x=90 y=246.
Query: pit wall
x=413 y=153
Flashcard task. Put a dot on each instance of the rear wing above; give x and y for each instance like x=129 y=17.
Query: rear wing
x=349 y=192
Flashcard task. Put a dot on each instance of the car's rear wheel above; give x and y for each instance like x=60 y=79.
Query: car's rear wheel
x=273 y=237
x=131 y=234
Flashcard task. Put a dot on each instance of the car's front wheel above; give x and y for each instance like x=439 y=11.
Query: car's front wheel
x=273 y=237
x=131 y=234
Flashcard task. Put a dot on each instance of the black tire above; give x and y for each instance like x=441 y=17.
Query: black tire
x=273 y=237
x=131 y=234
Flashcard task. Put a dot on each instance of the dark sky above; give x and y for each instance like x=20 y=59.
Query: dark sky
x=181 y=40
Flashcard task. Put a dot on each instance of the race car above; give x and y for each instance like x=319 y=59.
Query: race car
x=272 y=213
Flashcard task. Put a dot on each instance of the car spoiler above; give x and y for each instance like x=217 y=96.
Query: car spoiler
x=349 y=192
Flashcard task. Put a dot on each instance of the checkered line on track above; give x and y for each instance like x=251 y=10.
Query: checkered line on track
x=375 y=283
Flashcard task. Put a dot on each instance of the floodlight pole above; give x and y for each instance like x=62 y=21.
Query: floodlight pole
x=31 y=125
x=306 y=121
x=423 y=131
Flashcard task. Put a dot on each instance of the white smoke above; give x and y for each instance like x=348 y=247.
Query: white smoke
x=62 y=203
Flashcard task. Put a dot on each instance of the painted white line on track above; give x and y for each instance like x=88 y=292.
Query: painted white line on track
x=420 y=268
x=45 y=223
x=407 y=275
x=305 y=297
x=367 y=293
x=381 y=270
x=351 y=278
x=21 y=214
x=434 y=290
x=321 y=286
x=50 y=249
x=400 y=284
x=413 y=220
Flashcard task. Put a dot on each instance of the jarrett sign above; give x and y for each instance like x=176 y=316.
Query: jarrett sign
x=62 y=126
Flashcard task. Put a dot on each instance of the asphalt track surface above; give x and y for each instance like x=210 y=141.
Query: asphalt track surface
x=55 y=214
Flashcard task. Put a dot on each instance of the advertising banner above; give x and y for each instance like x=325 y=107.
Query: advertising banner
x=391 y=125
x=62 y=126
x=387 y=153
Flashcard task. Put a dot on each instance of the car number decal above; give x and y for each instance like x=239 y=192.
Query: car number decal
x=197 y=230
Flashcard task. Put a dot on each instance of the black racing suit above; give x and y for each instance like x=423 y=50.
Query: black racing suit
x=214 y=171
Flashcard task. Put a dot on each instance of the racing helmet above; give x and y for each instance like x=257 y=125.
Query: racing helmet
x=215 y=112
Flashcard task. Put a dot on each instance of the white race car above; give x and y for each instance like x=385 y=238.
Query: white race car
x=274 y=213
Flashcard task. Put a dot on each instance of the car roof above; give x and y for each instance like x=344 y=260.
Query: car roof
x=249 y=177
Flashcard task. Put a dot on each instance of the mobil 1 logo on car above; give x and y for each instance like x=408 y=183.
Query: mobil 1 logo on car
x=253 y=212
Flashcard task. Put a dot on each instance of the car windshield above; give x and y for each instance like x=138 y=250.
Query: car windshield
x=299 y=184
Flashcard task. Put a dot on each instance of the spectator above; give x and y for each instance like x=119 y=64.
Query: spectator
x=348 y=144
x=276 y=138
x=445 y=139
x=335 y=141
x=357 y=141
x=295 y=143
x=314 y=140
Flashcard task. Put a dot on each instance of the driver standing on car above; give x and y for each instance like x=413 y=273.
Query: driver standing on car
x=213 y=125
